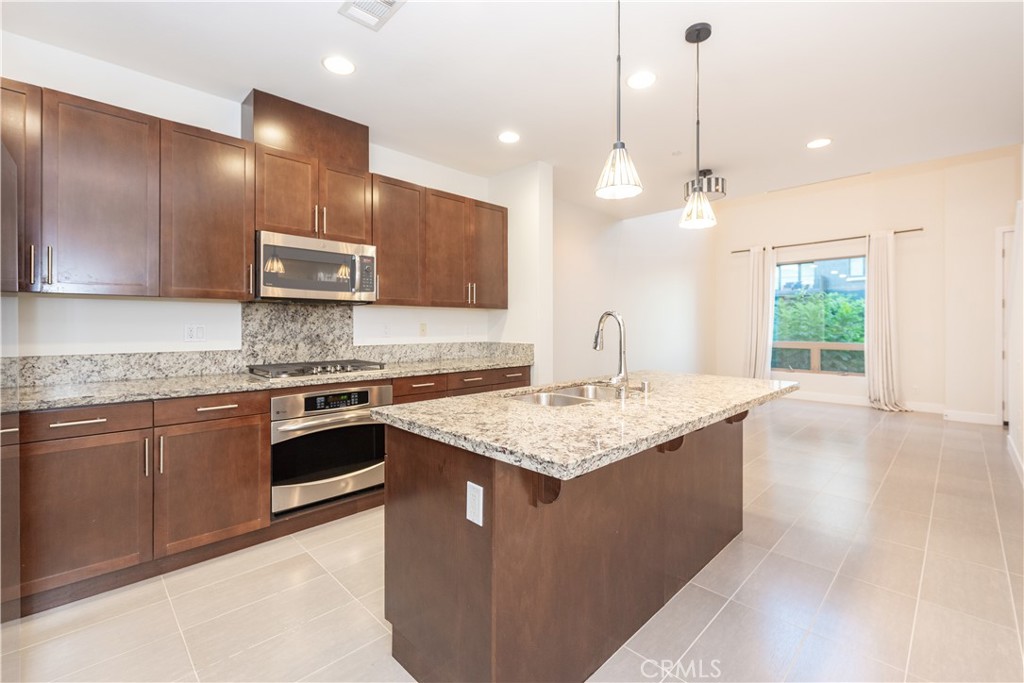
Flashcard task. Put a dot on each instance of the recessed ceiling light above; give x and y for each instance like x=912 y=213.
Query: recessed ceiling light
x=819 y=143
x=641 y=80
x=509 y=137
x=337 y=64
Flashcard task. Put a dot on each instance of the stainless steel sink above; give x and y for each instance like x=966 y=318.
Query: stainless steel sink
x=592 y=392
x=551 y=399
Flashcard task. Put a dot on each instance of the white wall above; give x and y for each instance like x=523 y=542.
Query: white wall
x=530 y=314
x=1015 y=345
x=947 y=288
x=121 y=325
x=658 y=276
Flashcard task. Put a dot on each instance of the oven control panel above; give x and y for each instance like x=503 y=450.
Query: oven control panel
x=333 y=401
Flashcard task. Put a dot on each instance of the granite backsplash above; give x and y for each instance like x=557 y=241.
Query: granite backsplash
x=271 y=333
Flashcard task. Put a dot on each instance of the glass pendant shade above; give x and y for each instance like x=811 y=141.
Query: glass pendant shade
x=274 y=265
x=698 y=214
x=619 y=179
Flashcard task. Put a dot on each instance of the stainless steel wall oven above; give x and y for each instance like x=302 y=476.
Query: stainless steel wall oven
x=324 y=444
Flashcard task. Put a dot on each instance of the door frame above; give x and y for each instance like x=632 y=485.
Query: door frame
x=1003 y=254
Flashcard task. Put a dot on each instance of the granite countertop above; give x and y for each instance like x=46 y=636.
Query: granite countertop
x=98 y=393
x=566 y=442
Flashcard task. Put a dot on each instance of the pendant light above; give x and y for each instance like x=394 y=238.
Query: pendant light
x=619 y=179
x=698 y=193
x=274 y=264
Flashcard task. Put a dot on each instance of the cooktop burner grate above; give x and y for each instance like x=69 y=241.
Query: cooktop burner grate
x=329 y=367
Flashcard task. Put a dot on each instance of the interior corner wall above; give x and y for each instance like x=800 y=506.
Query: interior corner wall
x=528 y=193
x=658 y=277
x=1015 y=344
x=947 y=285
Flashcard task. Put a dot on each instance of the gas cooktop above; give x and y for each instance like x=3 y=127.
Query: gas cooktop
x=328 y=367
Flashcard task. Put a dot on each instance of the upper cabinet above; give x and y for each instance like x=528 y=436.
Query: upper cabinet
x=488 y=254
x=398 y=233
x=101 y=198
x=206 y=214
x=312 y=175
x=21 y=167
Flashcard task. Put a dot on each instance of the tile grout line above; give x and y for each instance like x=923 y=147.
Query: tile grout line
x=810 y=629
x=1002 y=547
x=335 y=661
x=181 y=631
x=924 y=563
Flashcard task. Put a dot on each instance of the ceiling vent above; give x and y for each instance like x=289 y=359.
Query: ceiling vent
x=370 y=13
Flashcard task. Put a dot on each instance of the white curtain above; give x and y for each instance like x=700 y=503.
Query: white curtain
x=762 y=312
x=880 y=349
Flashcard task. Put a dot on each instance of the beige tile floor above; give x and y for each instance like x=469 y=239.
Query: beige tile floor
x=880 y=547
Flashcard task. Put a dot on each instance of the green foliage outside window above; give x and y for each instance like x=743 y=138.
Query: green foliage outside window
x=820 y=317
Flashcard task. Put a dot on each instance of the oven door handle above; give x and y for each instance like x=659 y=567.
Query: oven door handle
x=291 y=430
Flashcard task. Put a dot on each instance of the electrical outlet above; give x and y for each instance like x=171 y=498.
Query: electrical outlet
x=475 y=503
x=423 y=329
x=194 y=332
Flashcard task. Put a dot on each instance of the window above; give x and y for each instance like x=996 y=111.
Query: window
x=819 y=316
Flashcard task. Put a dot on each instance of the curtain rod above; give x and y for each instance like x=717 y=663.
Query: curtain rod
x=839 y=239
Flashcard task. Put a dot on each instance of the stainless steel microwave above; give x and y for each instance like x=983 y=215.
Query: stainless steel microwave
x=293 y=267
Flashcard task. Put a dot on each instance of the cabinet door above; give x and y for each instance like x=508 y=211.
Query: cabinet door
x=489 y=247
x=447 y=224
x=207 y=206
x=10 y=518
x=286 y=192
x=398 y=233
x=212 y=482
x=101 y=198
x=345 y=203
x=86 y=507
x=21 y=205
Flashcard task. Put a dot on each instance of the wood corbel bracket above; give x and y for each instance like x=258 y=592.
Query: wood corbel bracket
x=545 y=489
x=738 y=417
x=671 y=446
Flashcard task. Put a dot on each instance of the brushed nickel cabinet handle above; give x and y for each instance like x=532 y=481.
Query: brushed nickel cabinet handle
x=420 y=386
x=9 y=430
x=473 y=379
x=49 y=265
x=161 y=455
x=469 y=292
x=316 y=218
x=251 y=278
x=513 y=374
x=31 y=264
x=96 y=421
x=226 y=406
x=325 y=218
x=145 y=456
x=474 y=293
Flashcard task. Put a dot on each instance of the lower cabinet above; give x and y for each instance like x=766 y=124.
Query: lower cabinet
x=212 y=482
x=86 y=507
x=427 y=387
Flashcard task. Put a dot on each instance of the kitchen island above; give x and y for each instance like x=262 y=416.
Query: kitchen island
x=590 y=518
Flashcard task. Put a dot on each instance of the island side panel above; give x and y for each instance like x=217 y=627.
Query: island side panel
x=437 y=564
x=702 y=504
x=574 y=579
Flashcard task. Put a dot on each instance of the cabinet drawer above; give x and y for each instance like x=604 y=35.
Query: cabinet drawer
x=520 y=375
x=412 y=398
x=43 y=425
x=424 y=384
x=214 y=407
x=482 y=378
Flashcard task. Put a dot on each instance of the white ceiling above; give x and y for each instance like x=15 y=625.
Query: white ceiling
x=892 y=83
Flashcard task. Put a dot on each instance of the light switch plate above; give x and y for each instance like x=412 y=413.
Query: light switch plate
x=475 y=503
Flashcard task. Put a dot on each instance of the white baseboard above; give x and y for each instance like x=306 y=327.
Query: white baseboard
x=1018 y=464
x=974 y=418
x=854 y=400
x=922 y=407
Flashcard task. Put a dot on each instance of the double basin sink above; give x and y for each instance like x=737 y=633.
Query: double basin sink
x=570 y=396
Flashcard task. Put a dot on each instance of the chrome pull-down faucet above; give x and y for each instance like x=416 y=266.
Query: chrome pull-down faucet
x=622 y=377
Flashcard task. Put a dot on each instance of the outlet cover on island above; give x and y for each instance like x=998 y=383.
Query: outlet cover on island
x=194 y=332
x=423 y=329
x=475 y=503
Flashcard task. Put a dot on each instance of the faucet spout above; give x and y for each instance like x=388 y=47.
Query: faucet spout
x=622 y=376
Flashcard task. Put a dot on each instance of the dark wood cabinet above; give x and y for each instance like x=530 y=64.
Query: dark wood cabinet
x=10 y=517
x=286 y=192
x=447 y=228
x=212 y=481
x=399 y=235
x=207 y=209
x=21 y=202
x=101 y=198
x=312 y=172
x=86 y=507
x=489 y=255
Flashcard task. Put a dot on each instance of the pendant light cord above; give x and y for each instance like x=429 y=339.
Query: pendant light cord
x=618 y=71
x=698 y=116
